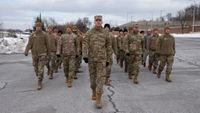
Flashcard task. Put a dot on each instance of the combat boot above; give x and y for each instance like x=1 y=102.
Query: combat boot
x=98 y=100
x=75 y=77
x=69 y=83
x=93 y=94
x=154 y=71
x=39 y=87
x=107 y=81
x=168 y=78
x=135 y=80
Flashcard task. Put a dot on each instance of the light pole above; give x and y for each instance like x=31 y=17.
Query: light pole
x=193 y=20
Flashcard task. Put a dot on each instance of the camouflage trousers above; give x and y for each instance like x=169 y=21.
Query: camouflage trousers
x=134 y=65
x=78 y=62
x=153 y=59
x=166 y=59
x=126 y=63
x=108 y=69
x=39 y=63
x=58 y=62
x=52 y=59
x=69 y=66
x=145 y=54
x=122 y=57
x=97 y=75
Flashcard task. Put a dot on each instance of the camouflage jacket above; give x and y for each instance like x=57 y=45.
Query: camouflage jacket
x=153 y=42
x=67 y=45
x=79 y=41
x=166 y=45
x=52 y=42
x=97 y=45
x=134 y=44
x=38 y=44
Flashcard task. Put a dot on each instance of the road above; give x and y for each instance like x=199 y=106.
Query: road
x=18 y=92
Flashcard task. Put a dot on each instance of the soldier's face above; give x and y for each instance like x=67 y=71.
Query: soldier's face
x=167 y=31
x=98 y=22
x=156 y=32
x=68 y=30
x=50 y=30
x=38 y=28
x=107 y=29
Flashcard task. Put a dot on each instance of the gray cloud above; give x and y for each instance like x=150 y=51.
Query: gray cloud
x=113 y=10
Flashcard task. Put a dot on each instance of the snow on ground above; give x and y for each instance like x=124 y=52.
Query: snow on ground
x=190 y=35
x=9 y=45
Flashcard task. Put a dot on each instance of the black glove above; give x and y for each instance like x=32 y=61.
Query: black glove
x=58 y=55
x=107 y=64
x=26 y=54
x=127 y=54
x=76 y=56
x=85 y=60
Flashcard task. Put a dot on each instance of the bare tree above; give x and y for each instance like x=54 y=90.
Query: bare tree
x=182 y=19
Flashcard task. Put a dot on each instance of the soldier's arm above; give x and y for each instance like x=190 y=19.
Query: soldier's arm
x=86 y=45
x=126 y=44
x=59 y=46
x=109 y=51
x=29 y=45
x=174 y=45
x=47 y=44
x=76 y=44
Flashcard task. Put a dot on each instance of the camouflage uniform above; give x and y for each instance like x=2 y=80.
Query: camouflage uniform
x=146 y=48
x=68 y=48
x=97 y=48
x=79 y=41
x=39 y=46
x=166 y=49
x=153 y=52
x=52 y=57
x=134 y=50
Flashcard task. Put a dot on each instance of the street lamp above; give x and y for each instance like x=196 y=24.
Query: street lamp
x=193 y=21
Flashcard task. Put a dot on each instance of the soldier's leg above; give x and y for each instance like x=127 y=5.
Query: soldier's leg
x=155 y=64
x=35 y=60
x=53 y=63
x=48 y=65
x=41 y=64
x=170 y=60
x=131 y=67
x=121 y=59
x=162 y=65
x=66 y=67
x=100 y=81
x=108 y=72
x=126 y=63
x=72 y=69
x=136 y=64
x=150 y=60
x=92 y=71
x=145 y=57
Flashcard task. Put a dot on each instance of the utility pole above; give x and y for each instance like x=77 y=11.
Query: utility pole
x=194 y=11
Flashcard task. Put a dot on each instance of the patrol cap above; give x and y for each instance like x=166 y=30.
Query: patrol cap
x=68 y=26
x=50 y=27
x=130 y=28
x=98 y=17
x=38 y=24
x=167 y=28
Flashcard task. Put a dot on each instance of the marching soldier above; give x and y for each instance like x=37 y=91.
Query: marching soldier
x=134 y=50
x=96 y=52
x=68 y=48
x=53 y=47
x=166 y=48
x=39 y=46
x=153 y=52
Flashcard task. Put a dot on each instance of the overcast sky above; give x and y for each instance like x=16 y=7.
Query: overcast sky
x=21 y=13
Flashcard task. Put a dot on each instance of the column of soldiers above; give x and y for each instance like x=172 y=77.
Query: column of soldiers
x=97 y=48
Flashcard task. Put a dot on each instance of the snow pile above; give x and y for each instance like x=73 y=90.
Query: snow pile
x=10 y=45
x=190 y=35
